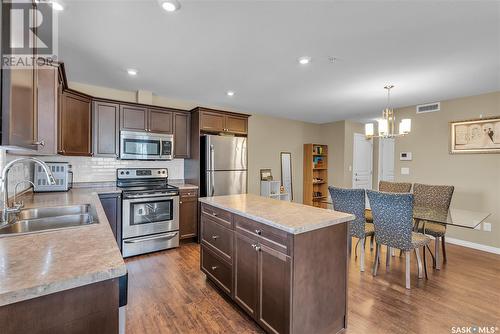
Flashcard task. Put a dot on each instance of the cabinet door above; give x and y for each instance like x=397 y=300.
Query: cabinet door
x=245 y=271
x=188 y=217
x=112 y=206
x=274 y=290
x=182 y=135
x=160 y=121
x=47 y=134
x=210 y=121
x=106 y=129
x=133 y=118
x=75 y=125
x=236 y=124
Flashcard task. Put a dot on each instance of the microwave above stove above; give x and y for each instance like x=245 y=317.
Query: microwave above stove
x=136 y=145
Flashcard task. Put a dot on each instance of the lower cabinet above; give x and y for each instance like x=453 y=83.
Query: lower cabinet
x=254 y=263
x=112 y=205
x=188 y=214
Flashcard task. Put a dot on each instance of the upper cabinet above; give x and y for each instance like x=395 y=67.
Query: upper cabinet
x=75 y=119
x=220 y=121
x=182 y=134
x=136 y=118
x=106 y=129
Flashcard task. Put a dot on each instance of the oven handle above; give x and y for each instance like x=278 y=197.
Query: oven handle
x=157 y=237
x=167 y=196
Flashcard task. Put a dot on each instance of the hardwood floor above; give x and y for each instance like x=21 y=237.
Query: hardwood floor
x=169 y=294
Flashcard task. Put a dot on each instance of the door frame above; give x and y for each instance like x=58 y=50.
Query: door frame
x=360 y=135
x=380 y=150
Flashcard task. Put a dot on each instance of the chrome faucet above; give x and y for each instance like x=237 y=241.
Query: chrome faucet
x=17 y=207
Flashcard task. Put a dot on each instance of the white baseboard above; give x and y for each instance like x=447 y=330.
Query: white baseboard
x=468 y=244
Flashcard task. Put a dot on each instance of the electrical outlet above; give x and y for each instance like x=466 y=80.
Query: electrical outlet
x=405 y=171
x=487 y=227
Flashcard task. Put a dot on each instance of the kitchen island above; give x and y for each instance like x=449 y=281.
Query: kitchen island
x=283 y=263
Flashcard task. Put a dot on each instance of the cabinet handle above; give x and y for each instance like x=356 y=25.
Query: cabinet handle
x=214 y=268
x=40 y=143
x=215 y=237
x=180 y=202
x=214 y=214
x=259 y=232
x=257 y=248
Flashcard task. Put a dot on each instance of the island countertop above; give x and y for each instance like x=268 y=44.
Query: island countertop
x=287 y=216
x=38 y=264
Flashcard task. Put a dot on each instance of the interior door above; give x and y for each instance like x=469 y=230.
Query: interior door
x=386 y=159
x=362 y=164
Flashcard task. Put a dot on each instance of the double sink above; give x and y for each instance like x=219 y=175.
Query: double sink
x=50 y=218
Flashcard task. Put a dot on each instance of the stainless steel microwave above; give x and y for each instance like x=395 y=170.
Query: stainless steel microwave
x=146 y=146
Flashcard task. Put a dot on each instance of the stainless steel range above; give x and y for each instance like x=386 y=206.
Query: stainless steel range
x=150 y=210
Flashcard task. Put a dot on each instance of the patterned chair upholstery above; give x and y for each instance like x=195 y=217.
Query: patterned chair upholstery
x=389 y=187
x=435 y=197
x=393 y=220
x=353 y=201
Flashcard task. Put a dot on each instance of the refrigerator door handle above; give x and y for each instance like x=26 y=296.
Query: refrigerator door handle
x=212 y=167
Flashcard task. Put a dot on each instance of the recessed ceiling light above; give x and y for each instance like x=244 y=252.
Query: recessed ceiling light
x=171 y=5
x=304 y=60
x=57 y=5
x=230 y=93
x=132 y=72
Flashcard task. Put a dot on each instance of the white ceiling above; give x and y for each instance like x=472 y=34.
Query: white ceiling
x=429 y=50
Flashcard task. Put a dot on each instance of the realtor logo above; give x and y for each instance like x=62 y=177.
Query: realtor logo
x=28 y=33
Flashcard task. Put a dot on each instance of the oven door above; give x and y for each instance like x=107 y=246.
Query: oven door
x=150 y=215
x=139 y=146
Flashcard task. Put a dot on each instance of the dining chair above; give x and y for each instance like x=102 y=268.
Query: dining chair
x=353 y=201
x=433 y=197
x=388 y=187
x=393 y=221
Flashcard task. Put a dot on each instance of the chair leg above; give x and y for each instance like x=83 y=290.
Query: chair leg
x=408 y=269
x=432 y=256
x=425 y=264
x=356 y=249
x=375 y=263
x=393 y=252
x=400 y=253
x=372 y=238
x=436 y=253
x=388 y=257
x=419 y=263
x=443 y=243
x=362 y=255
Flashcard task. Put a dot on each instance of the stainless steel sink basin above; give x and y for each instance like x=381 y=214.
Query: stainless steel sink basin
x=50 y=218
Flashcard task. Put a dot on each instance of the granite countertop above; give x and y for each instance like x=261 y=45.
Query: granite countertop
x=290 y=217
x=182 y=185
x=38 y=264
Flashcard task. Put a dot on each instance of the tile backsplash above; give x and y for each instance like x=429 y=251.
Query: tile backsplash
x=95 y=169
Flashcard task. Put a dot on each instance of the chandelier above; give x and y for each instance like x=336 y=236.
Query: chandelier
x=386 y=125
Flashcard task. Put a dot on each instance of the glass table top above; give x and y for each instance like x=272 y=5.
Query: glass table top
x=453 y=217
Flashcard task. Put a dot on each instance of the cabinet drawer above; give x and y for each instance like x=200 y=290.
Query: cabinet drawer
x=188 y=193
x=220 y=272
x=217 y=236
x=220 y=216
x=272 y=237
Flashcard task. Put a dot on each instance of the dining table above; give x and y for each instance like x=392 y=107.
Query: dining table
x=452 y=217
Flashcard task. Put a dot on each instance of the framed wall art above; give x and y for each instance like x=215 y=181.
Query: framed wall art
x=475 y=136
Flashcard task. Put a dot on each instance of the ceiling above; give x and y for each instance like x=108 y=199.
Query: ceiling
x=430 y=51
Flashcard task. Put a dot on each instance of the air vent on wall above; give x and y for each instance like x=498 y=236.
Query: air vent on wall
x=429 y=107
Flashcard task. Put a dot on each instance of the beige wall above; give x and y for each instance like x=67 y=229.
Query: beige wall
x=267 y=137
x=476 y=177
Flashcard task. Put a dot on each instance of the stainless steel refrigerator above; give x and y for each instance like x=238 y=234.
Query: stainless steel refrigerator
x=223 y=165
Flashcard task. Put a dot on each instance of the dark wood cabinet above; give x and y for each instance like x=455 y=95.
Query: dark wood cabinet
x=246 y=272
x=182 y=135
x=274 y=290
x=188 y=214
x=133 y=118
x=112 y=205
x=48 y=85
x=220 y=121
x=106 y=129
x=75 y=121
x=263 y=259
x=160 y=121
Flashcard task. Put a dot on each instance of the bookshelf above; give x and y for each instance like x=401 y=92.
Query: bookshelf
x=315 y=187
x=271 y=189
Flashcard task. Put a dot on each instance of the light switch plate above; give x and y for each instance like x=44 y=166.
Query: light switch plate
x=405 y=156
x=405 y=171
